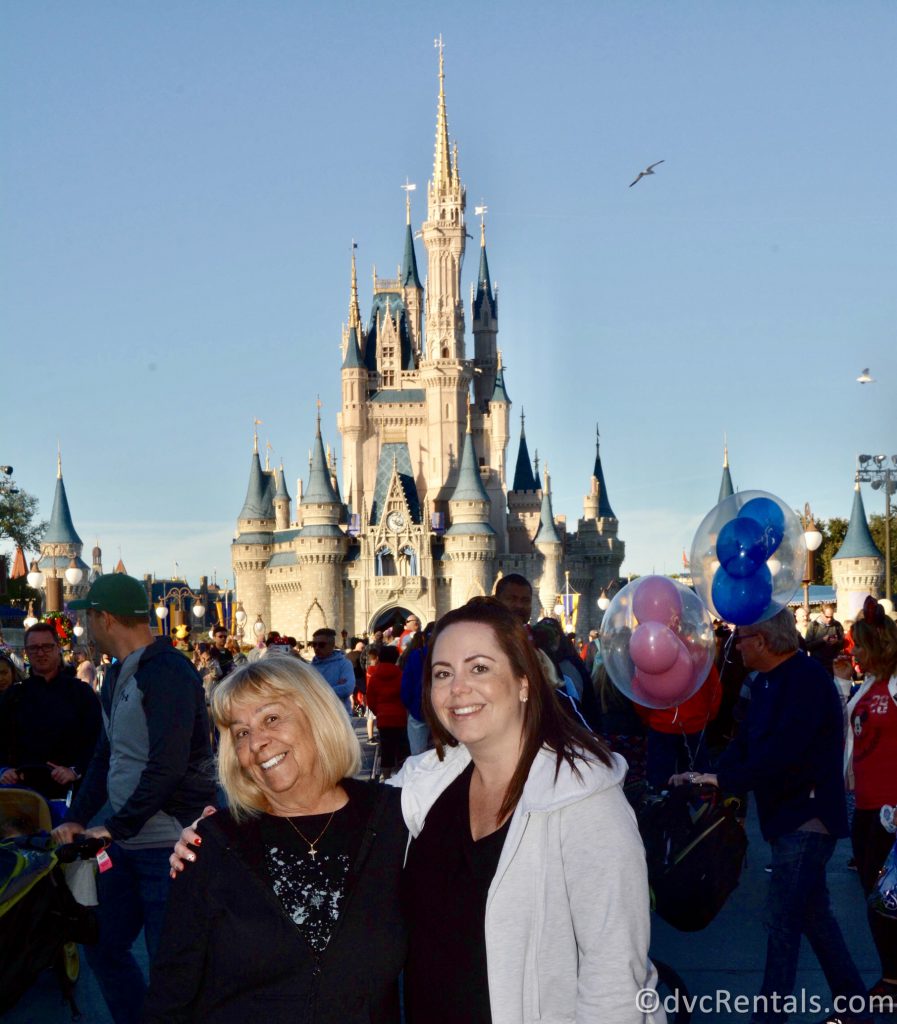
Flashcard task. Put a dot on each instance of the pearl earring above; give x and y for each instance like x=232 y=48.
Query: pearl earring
x=524 y=696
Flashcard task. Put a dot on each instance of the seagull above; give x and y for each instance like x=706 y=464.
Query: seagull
x=864 y=377
x=648 y=170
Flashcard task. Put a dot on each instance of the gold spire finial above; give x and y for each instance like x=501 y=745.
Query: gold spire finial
x=318 y=415
x=442 y=173
x=255 y=436
x=58 y=461
x=498 y=356
x=468 y=412
x=725 y=452
x=268 y=450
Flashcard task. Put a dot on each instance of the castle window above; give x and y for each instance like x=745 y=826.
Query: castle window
x=384 y=563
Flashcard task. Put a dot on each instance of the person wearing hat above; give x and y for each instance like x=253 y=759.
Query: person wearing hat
x=152 y=766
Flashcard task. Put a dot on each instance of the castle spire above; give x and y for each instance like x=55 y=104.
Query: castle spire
x=858 y=542
x=523 y=473
x=58 y=462
x=547 y=532
x=60 y=529
x=354 y=308
x=409 y=275
x=442 y=170
x=726 y=490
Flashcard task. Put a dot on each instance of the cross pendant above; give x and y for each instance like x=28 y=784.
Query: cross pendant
x=312 y=852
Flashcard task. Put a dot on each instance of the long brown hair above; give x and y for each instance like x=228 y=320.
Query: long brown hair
x=544 y=722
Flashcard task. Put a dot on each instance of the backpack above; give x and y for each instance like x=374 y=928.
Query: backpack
x=695 y=850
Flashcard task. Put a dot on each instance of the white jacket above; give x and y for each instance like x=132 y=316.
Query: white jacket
x=567 y=921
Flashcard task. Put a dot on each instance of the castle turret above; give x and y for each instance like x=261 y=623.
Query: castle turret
x=858 y=567
x=470 y=541
x=412 y=289
x=524 y=500
x=320 y=546
x=60 y=549
x=96 y=568
x=550 y=546
x=253 y=545
x=281 y=501
x=597 y=504
x=485 y=328
x=352 y=418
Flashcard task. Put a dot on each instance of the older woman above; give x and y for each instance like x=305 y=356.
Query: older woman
x=525 y=884
x=10 y=672
x=871 y=763
x=297 y=878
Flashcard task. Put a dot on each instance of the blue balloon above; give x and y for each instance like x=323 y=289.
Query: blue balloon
x=770 y=517
x=742 y=601
x=741 y=547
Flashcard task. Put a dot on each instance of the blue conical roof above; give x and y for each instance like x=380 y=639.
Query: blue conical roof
x=484 y=283
x=604 y=509
x=60 y=529
x=410 y=277
x=500 y=392
x=353 y=352
x=547 y=532
x=524 y=480
x=281 y=491
x=469 y=486
x=258 y=501
x=858 y=542
x=320 y=486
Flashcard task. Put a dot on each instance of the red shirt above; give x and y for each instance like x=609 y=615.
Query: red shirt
x=874 y=724
x=384 y=695
x=691 y=715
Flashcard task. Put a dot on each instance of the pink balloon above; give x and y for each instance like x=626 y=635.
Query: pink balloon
x=657 y=600
x=666 y=689
x=654 y=647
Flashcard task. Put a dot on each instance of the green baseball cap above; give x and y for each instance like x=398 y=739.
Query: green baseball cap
x=115 y=593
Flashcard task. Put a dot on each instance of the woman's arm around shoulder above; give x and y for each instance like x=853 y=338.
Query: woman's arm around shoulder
x=607 y=882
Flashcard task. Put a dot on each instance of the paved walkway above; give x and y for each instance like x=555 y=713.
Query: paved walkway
x=725 y=958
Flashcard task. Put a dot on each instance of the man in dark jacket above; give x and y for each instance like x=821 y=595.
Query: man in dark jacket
x=49 y=723
x=152 y=765
x=825 y=638
x=789 y=751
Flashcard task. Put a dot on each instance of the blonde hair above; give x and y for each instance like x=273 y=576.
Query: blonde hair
x=290 y=679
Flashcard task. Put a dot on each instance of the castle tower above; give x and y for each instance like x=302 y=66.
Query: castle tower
x=281 y=501
x=726 y=490
x=551 y=548
x=60 y=545
x=254 y=543
x=444 y=375
x=470 y=540
x=858 y=569
x=485 y=329
x=524 y=500
x=352 y=418
x=320 y=547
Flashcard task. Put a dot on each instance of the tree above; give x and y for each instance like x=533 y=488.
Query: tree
x=18 y=511
x=833 y=533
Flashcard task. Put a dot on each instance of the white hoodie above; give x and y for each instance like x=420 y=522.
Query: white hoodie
x=567 y=920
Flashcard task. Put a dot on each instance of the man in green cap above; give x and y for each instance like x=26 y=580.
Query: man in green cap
x=152 y=765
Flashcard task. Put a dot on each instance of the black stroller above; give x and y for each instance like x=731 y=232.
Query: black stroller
x=41 y=923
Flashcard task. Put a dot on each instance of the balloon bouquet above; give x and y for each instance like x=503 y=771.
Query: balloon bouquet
x=747 y=561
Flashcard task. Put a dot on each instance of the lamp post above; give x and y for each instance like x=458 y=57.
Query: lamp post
x=240 y=621
x=179 y=594
x=813 y=538
x=565 y=609
x=882 y=477
x=258 y=627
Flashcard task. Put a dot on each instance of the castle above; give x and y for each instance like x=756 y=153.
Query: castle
x=425 y=518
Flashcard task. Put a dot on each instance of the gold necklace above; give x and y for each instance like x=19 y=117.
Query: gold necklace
x=312 y=851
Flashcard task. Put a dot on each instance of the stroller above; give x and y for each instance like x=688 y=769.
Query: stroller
x=41 y=921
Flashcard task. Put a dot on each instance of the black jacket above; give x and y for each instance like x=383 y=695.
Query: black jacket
x=230 y=954
x=57 y=721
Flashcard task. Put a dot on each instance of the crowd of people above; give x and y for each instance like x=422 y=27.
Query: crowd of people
x=502 y=843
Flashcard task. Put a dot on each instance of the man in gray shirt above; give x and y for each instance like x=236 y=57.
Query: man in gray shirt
x=152 y=765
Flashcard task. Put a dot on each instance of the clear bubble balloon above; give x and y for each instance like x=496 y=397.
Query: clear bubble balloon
x=657 y=642
x=748 y=557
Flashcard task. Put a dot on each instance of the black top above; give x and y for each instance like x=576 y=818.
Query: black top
x=445 y=884
x=310 y=887
x=42 y=721
x=243 y=959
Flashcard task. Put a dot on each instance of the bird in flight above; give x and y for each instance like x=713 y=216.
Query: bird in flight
x=864 y=377
x=646 y=171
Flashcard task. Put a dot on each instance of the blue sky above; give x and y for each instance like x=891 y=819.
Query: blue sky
x=182 y=183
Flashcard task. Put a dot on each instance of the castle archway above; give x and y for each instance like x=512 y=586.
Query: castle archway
x=393 y=615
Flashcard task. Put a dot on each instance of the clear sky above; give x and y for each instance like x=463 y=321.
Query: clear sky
x=182 y=183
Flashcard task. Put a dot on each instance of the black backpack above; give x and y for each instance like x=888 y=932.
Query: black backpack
x=695 y=849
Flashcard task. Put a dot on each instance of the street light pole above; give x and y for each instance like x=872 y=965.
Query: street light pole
x=881 y=476
x=813 y=538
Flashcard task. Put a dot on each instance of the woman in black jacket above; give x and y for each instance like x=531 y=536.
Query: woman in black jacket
x=297 y=878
